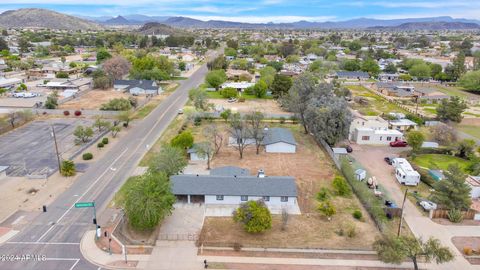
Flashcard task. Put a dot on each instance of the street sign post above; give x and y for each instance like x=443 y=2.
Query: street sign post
x=84 y=204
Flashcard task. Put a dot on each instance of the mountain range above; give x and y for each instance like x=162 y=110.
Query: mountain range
x=33 y=17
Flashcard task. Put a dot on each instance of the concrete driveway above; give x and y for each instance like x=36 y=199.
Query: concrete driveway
x=185 y=222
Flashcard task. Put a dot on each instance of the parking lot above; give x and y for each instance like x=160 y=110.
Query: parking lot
x=30 y=149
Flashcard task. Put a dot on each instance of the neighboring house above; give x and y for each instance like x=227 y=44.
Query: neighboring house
x=9 y=83
x=388 y=77
x=279 y=140
x=372 y=130
x=278 y=192
x=474 y=183
x=137 y=87
x=352 y=75
x=402 y=124
x=240 y=86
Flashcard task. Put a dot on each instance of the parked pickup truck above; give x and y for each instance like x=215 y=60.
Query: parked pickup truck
x=19 y=94
x=30 y=95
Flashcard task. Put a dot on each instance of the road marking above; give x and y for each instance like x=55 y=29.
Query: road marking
x=75 y=264
x=42 y=243
x=65 y=259
x=17 y=220
x=79 y=198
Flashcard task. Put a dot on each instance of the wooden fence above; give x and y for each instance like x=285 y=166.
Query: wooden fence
x=442 y=213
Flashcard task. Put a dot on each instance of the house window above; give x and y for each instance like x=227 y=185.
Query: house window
x=244 y=198
x=266 y=198
x=389 y=138
x=219 y=197
x=284 y=199
x=365 y=138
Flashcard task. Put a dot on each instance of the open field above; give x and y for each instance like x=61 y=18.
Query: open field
x=470 y=130
x=376 y=104
x=312 y=170
x=437 y=161
x=264 y=105
x=94 y=99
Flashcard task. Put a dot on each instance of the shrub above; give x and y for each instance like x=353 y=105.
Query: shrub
x=282 y=120
x=351 y=230
x=254 y=215
x=105 y=141
x=184 y=140
x=455 y=215
x=67 y=168
x=100 y=145
x=87 y=156
x=197 y=121
x=241 y=99
x=323 y=194
x=341 y=186
x=78 y=113
x=66 y=113
x=327 y=209
x=229 y=92
x=467 y=251
x=357 y=214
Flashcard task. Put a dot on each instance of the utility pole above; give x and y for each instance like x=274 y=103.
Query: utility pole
x=401 y=215
x=56 y=149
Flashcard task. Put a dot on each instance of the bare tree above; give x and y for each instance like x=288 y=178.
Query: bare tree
x=205 y=150
x=116 y=67
x=254 y=121
x=213 y=133
x=239 y=132
x=300 y=95
x=12 y=117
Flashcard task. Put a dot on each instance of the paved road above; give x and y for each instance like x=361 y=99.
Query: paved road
x=57 y=233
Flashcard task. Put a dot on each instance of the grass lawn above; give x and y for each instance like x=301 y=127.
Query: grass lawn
x=119 y=198
x=470 y=130
x=452 y=91
x=376 y=106
x=437 y=161
x=147 y=109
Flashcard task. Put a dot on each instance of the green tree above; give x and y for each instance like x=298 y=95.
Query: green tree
x=183 y=140
x=52 y=101
x=260 y=89
x=276 y=65
x=451 y=110
x=355 y=45
x=465 y=148
x=453 y=192
x=199 y=98
x=254 y=215
x=420 y=71
x=371 y=67
x=391 y=68
x=170 y=160
x=395 y=250
x=215 y=78
x=148 y=201
x=280 y=85
x=67 y=168
x=351 y=65
x=206 y=150
x=267 y=74
x=415 y=139
x=471 y=81
x=229 y=92
x=102 y=124
x=458 y=66
x=435 y=69
x=82 y=134
x=125 y=117
x=3 y=45
x=225 y=115
x=102 y=55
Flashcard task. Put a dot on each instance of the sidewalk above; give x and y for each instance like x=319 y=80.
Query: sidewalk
x=95 y=255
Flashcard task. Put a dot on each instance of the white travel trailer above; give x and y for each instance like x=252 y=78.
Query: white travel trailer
x=406 y=175
x=396 y=162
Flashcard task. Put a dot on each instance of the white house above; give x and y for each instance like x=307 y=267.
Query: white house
x=406 y=175
x=372 y=130
x=279 y=140
x=240 y=86
x=137 y=87
x=278 y=192
x=403 y=124
x=474 y=183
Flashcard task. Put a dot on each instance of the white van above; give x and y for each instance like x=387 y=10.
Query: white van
x=19 y=94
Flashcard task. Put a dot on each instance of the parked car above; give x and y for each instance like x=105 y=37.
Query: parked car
x=428 y=205
x=398 y=143
x=29 y=95
x=180 y=111
x=232 y=100
x=19 y=94
x=389 y=160
x=349 y=149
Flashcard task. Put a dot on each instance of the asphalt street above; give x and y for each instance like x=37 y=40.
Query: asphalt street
x=56 y=234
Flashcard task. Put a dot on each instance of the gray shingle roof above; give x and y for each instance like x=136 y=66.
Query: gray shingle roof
x=230 y=171
x=275 y=135
x=144 y=84
x=273 y=186
x=356 y=74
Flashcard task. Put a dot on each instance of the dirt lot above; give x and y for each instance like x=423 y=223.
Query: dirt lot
x=92 y=100
x=312 y=170
x=265 y=105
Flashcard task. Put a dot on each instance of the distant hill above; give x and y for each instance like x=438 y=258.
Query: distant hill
x=154 y=28
x=44 y=18
x=432 y=26
x=119 y=20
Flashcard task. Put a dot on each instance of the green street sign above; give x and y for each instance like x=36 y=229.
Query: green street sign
x=84 y=204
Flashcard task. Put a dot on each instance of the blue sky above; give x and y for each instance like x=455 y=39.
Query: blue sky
x=261 y=10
